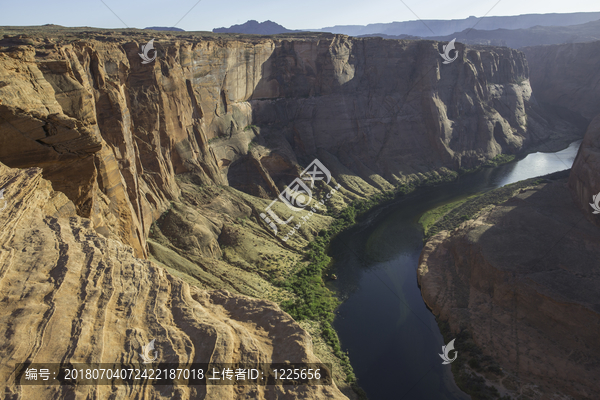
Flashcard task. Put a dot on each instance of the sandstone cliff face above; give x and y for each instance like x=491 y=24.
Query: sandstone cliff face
x=391 y=108
x=112 y=133
x=566 y=77
x=178 y=157
x=124 y=129
x=524 y=279
x=71 y=295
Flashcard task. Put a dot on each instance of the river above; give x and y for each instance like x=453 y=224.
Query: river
x=392 y=338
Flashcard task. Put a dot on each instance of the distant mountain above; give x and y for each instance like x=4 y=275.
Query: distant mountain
x=255 y=27
x=538 y=35
x=446 y=27
x=515 y=31
x=397 y=37
x=165 y=28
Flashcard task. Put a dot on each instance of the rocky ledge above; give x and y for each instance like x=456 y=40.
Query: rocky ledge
x=71 y=295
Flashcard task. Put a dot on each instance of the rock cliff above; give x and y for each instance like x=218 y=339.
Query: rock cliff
x=71 y=295
x=566 y=78
x=585 y=174
x=112 y=133
x=523 y=279
x=398 y=110
x=159 y=172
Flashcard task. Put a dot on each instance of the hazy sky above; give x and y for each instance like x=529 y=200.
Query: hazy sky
x=297 y=14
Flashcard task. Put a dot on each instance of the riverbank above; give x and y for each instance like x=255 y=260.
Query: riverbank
x=477 y=374
x=314 y=301
x=436 y=219
x=508 y=282
x=432 y=216
x=448 y=216
x=383 y=320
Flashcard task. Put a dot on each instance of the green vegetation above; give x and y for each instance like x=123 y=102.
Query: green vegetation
x=466 y=210
x=248 y=127
x=494 y=162
x=314 y=300
x=499 y=160
x=432 y=216
x=251 y=145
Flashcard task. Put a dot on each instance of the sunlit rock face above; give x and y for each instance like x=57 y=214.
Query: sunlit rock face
x=70 y=295
x=112 y=133
x=135 y=188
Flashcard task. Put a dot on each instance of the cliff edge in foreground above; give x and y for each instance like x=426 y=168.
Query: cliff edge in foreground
x=71 y=295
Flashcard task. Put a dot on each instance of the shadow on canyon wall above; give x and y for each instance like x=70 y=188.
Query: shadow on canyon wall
x=385 y=111
x=177 y=158
x=522 y=277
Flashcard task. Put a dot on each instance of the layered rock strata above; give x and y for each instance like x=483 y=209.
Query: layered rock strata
x=70 y=295
x=112 y=133
x=174 y=161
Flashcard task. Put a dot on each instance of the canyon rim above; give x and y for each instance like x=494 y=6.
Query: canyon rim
x=135 y=190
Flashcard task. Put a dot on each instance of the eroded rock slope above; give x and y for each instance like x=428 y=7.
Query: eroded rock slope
x=71 y=295
x=112 y=133
x=174 y=161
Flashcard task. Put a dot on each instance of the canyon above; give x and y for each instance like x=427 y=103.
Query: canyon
x=522 y=276
x=135 y=190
